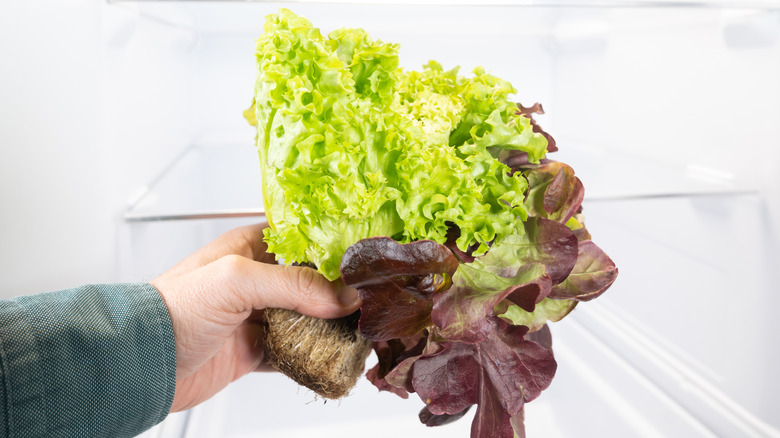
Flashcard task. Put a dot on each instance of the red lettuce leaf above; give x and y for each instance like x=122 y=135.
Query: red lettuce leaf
x=390 y=354
x=520 y=268
x=396 y=283
x=453 y=233
x=554 y=192
x=550 y=243
x=518 y=423
x=546 y=310
x=383 y=385
x=528 y=295
x=499 y=374
x=462 y=311
x=577 y=226
x=592 y=275
x=431 y=420
x=401 y=376
x=387 y=353
x=543 y=337
x=388 y=312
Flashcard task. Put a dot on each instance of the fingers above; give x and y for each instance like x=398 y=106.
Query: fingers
x=253 y=239
x=248 y=352
x=261 y=285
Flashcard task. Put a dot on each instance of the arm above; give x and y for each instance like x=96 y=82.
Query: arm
x=97 y=360
x=113 y=360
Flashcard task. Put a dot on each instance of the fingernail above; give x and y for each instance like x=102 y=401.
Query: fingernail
x=348 y=296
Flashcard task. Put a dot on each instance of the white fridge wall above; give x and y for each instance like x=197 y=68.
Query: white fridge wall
x=691 y=88
x=58 y=207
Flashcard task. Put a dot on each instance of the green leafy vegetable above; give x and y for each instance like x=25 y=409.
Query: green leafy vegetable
x=352 y=147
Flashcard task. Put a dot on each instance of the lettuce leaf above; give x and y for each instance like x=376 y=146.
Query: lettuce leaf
x=397 y=283
x=555 y=193
x=591 y=276
x=351 y=146
x=522 y=269
x=548 y=310
x=499 y=374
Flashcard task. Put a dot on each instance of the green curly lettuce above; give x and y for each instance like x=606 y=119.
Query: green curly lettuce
x=352 y=146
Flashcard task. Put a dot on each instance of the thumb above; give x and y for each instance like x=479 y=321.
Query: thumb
x=259 y=285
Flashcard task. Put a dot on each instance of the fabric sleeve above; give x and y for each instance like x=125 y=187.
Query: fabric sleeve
x=94 y=361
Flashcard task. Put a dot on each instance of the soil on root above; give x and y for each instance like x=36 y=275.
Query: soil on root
x=325 y=355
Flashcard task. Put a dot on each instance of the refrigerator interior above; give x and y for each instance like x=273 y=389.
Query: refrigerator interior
x=667 y=112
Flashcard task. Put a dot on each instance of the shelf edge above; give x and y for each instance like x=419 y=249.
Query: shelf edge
x=135 y=217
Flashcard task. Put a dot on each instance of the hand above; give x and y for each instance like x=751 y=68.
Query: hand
x=215 y=297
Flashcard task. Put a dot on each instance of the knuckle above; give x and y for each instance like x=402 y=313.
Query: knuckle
x=232 y=269
x=232 y=266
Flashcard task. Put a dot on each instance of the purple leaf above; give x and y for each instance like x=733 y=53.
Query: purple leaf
x=592 y=275
x=462 y=311
x=543 y=337
x=499 y=374
x=453 y=233
x=431 y=420
x=383 y=385
x=396 y=283
x=552 y=244
x=518 y=423
x=520 y=268
x=390 y=355
x=554 y=192
x=491 y=420
x=401 y=375
x=387 y=353
x=389 y=312
x=528 y=295
x=416 y=267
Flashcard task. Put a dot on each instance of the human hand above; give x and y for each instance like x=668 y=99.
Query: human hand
x=215 y=298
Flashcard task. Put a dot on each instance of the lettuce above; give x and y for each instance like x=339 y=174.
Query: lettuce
x=430 y=193
x=351 y=146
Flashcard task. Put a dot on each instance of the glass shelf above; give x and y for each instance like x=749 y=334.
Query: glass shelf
x=203 y=182
x=207 y=182
x=611 y=175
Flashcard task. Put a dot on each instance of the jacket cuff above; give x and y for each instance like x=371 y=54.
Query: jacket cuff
x=98 y=360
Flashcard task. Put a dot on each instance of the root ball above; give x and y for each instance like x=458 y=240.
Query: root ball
x=325 y=355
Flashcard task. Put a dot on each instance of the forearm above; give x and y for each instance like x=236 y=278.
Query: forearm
x=97 y=360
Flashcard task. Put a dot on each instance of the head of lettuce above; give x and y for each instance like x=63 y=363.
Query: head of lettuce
x=352 y=146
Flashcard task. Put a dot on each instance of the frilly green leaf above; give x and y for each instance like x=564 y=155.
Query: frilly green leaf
x=351 y=146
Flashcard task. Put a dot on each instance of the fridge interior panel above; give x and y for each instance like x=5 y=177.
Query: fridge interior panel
x=695 y=286
x=147 y=249
x=203 y=182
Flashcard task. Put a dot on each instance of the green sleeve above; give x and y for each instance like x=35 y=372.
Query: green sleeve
x=94 y=361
